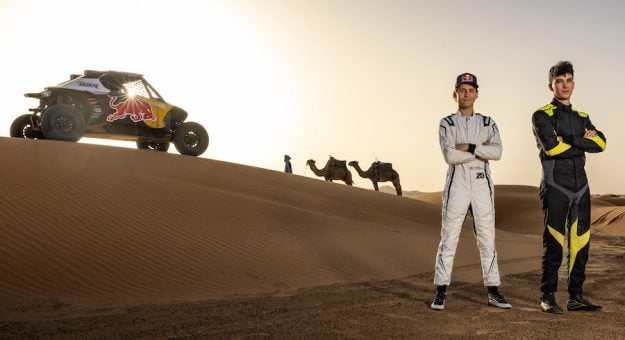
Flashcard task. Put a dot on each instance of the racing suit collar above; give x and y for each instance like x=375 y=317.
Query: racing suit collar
x=465 y=117
x=559 y=105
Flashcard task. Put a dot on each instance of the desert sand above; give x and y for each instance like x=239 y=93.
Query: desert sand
x=100 y=241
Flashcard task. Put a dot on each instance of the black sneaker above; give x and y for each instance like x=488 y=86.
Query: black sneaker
x=439 y=301
x=548 y=304
x=497 y=300
x=577 y=302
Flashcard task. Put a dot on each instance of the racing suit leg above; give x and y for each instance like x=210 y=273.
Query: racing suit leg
x=483 y=208
x=579 y=241
x=556 y=209
x=456 y=200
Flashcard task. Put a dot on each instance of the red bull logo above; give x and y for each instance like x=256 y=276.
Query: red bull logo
x=467 y=78
x=134 y=107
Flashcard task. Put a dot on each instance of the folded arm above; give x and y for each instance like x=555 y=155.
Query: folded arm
x=452 y=154
x=592 y=141
x=548 y=140
x=492 y=148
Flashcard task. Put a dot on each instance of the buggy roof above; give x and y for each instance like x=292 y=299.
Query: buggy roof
x=127 y=76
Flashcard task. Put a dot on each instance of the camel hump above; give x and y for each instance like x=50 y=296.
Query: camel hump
x=339 y=163
x=381 y=166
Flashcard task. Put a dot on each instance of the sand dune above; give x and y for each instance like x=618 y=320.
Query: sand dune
x=609 y=220
x=100 y=224
x=615 y=200
x=90 y=226
x=518 y=207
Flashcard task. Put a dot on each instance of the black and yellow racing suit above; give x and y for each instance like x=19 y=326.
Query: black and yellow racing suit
x=559 y=131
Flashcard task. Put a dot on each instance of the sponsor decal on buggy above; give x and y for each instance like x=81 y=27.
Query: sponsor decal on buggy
x=134 y=107
x=85 y=84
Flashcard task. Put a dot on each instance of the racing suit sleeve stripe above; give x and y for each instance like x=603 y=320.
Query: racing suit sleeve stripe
x=548 y=109
x=591 y=144
x=599 y=141
x=557 y=235
x=546 y=136
x=558 y=149
x=577 y=243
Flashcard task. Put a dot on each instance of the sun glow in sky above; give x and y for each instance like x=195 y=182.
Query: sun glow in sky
x=356 y=79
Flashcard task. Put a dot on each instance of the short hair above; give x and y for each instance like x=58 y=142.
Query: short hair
x=560 y=69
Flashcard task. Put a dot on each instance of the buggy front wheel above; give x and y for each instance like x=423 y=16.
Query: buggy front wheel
x=62 y=122
x=190 y=138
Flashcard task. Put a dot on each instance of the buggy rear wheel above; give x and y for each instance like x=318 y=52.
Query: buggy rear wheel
x=145 y=144
x=22 y=127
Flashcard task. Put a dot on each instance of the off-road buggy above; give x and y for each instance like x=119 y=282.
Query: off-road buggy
x=110 y=105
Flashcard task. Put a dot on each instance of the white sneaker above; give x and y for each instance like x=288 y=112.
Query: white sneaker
x=497 y=300
x=439 y=301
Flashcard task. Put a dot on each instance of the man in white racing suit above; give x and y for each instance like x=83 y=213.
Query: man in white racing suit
x=468 y=140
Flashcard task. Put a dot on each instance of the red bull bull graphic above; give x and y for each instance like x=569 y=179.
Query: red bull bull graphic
x=467 y=78
x=134 y=107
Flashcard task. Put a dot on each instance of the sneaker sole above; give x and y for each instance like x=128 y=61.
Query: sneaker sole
x=500 y=305
x=437 y=307
x=583 y=308
x=551 y=310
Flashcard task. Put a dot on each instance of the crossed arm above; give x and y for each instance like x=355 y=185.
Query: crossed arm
x=566 y=146
x=456 y=153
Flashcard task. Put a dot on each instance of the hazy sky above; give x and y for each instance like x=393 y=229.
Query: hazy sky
x=356 y=79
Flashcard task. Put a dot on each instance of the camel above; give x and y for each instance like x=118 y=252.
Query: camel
x=334 y=170
x=379 y=172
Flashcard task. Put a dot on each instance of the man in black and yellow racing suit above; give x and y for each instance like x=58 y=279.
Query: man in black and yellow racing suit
x=564 y=135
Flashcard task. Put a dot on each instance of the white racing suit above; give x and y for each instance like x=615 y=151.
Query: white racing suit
x=469 y=187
